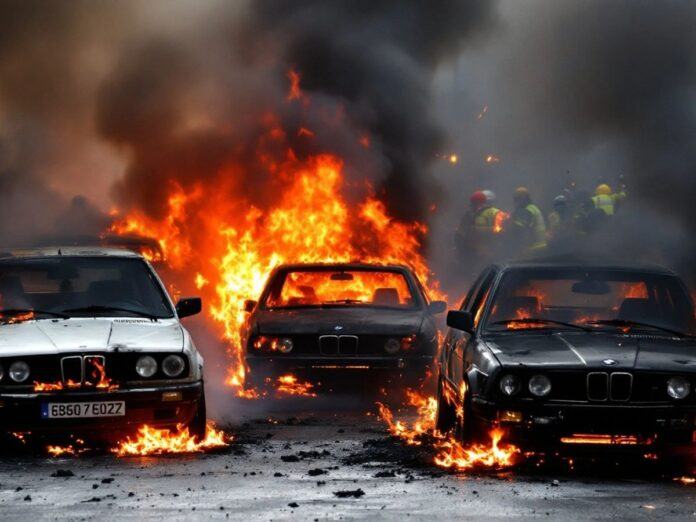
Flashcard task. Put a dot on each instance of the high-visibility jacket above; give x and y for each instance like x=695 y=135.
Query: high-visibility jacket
x=604 y=202
x=484 y=220
x=532 y=221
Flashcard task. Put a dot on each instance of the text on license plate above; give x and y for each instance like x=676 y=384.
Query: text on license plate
x=80 y=410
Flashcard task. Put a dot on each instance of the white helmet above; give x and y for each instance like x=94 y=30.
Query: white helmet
x=490 y=196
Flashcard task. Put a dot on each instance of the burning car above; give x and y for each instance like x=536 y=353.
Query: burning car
x=566 y=356
x=90 y=341
x=347 y=318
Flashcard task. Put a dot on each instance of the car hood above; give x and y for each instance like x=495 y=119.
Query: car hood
x=595 y=350
x=339 y=321
x=86 y=334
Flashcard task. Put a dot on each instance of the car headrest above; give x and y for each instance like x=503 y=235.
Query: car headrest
x=636 y=309
x=105 y=291
x=386 y=297
x=529 y=305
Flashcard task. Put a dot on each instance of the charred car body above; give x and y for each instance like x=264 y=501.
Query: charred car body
x=573 y=357
x=90 y=341
x=341 y=319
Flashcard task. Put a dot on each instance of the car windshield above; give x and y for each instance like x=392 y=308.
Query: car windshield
x=592 y=299
x=316 y=288
x=80 y=286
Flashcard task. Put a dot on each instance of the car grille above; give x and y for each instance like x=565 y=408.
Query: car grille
x=603 y=386
x=338 y=345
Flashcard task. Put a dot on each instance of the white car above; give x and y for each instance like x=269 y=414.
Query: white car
x=91 y=342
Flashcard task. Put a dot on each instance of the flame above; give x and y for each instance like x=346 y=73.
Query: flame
x=499 y=221
x=63 y=451
x=290 y=385
x=54 y=386
x=450 y=452
x=231 y=244
x=19 y=318
x=426 y=408
x=453 y=159
x=152 y=441
x=686 y=480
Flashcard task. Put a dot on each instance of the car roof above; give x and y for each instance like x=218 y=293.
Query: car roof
x=289 y=267
x=575 y=265
x=67 y=251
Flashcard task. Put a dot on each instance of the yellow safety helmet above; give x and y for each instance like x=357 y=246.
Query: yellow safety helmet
x=521 y=192
x=603 y=190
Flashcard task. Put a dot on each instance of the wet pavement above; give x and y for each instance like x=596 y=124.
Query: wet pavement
x=330 y=462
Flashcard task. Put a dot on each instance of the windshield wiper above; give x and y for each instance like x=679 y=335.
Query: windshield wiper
x=345 y=301
x=20 y=311
x=628 y=324
x=541 y=321
x=99 y=308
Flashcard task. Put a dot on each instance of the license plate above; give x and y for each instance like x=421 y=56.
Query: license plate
x=82 y=410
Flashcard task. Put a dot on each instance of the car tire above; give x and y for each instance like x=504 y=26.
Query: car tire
x=197 y=425
x=446 y=418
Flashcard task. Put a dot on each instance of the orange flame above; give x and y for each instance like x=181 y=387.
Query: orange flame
x=450 y=452
x=499 y=221
x=232 y=245
x=152 y=441
x=290 y=385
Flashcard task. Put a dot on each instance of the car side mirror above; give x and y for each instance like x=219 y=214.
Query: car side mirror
x=249 y=305
x=460 y=321
x=437 y=307
x=188 y=306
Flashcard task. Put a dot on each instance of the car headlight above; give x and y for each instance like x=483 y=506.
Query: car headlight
x=19 y=371
x=146 y=366
x=539 y=385
x=285 y=345
x=678 y=388
x=173 y=365
x=392 y=346
x=509 y=385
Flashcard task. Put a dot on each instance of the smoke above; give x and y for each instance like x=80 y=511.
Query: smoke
x=583 y=92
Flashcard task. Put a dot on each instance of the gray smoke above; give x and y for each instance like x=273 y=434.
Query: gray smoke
x=584 y=92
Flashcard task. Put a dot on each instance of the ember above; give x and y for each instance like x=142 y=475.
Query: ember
x=151 y=441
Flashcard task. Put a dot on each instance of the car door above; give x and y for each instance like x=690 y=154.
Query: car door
x=457 y=341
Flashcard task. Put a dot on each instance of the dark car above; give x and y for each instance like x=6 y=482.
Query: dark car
x=315 y=319
x=565 y=356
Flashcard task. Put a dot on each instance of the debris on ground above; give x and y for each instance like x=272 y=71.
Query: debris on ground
x=347 y=493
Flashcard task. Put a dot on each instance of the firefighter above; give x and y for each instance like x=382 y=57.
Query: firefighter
x=561 y=227
x=477 y=224
x=528 y=223
x=605 y=199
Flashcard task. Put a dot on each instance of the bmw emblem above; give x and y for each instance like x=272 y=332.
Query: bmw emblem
x=609 y=362
x=338 y=328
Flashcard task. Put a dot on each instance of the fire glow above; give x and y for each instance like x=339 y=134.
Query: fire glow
x=451 y=453
x=231 y=244
x=152 y=441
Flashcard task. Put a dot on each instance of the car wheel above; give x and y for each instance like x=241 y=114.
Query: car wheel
x=197 y=425
x=446 y=418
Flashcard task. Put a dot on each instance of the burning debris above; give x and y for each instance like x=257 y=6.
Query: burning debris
x=152 y=441
x=450 y=453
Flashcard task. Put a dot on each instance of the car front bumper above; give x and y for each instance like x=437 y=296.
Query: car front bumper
x=411 y=367
x=163 y=406
x=572 y=426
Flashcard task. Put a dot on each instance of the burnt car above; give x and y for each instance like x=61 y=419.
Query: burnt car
x=573 y=356
x=90 y=342
x=350 y=319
